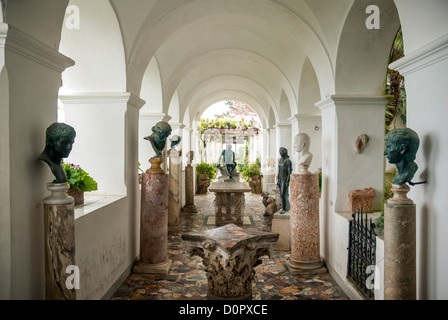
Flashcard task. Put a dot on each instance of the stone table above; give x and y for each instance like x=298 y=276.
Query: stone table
x=230 y=254
x=229 y=195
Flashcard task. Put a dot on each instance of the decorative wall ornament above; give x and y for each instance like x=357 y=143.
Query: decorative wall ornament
x=361 y=142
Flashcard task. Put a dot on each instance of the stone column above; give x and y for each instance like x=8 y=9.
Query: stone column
x=305 y=242
x=189 y=207
x=59 y=221
x=174 y=190
x=400 y=246
x=230 y=254
x=154 y=224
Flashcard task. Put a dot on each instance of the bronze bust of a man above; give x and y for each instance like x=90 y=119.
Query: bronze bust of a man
x=160 y=132
x=401 y=148
x=58 y=144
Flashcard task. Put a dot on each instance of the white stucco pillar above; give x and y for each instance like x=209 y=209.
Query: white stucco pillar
x=344 y=118
x=426 y=74
x=273 y=151
x=264 y=145
x=30 y=75
x=283 y=137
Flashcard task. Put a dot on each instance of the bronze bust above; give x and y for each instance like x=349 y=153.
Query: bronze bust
x=401 y=148
x=58 y=144
x=160 y=132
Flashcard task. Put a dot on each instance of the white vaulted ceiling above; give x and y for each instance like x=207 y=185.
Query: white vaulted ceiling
x=211 y=50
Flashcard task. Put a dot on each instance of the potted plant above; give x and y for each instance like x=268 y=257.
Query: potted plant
x=79 y=181
x=252 y=174
x=204 y=173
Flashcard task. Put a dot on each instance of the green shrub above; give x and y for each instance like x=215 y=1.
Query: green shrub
x=250 y=170
x=207 y=169
x=79 y=179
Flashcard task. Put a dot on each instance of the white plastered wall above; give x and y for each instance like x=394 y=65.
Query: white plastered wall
x=425 y=68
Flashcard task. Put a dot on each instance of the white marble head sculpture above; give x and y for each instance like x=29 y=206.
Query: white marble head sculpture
x=302 y=144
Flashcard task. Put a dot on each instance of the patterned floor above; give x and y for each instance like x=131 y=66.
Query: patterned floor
x=186 y=279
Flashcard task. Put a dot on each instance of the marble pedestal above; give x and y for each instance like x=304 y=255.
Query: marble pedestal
x=174 y=191
x=281 y=224
x=305 y=242
x=189 y=207
x=154 y=225
x=269 y=184
x=229 y=201
x=400 y=246
x=230 y=254
x=59 y=238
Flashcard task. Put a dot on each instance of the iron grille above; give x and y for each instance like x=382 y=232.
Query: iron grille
x=361 y=253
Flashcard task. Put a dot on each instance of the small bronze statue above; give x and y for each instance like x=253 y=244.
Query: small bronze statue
x=401 y=148
x=175 y=140
x=160 y=132
x=284 y=172
x=228 y=159
x=58 y=144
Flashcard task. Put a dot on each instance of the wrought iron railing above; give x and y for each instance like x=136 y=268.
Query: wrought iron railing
x=361 y=253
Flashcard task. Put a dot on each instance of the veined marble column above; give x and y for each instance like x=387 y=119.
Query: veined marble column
x=305 y=243
x=154 y=224
x=59 y=221
x=189 y=207
x=174 y=190
x=400 y=277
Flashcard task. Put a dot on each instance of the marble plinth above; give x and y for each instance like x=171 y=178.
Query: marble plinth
x=229 y=201
x=154 y=225
x=59 y=239
x=305 y=242
x=189 y=207
x=400 y=276
x=281 y=224
x=361 y=200
x=174 y=191
x=230 y=254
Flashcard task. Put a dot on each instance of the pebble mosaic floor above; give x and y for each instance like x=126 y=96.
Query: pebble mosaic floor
x=186 y=279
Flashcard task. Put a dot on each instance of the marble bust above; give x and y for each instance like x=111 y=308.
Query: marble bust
x=160 y=132
x=302 y=144
x=58 y=144
x=401 y=148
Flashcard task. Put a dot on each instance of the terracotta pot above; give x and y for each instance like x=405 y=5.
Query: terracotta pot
x=78 y=195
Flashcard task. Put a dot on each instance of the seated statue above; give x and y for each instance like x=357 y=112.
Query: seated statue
x=58 y=144
x=401 y=148
x=160 y=132
x=228 y=159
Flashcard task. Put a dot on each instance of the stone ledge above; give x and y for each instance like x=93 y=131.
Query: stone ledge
x=95 y=202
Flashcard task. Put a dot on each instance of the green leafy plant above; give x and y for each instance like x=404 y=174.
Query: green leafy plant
x=251 y=170
x=320 y=180
x=79 y=179
x=207 y=169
